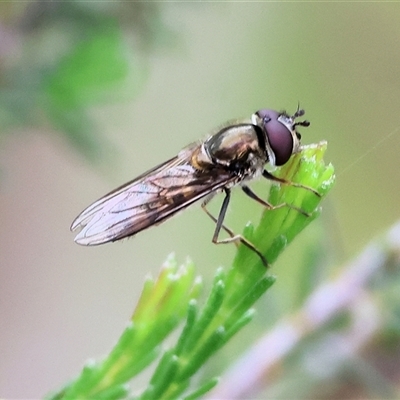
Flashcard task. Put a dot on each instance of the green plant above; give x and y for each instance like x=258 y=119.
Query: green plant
x=173 y=298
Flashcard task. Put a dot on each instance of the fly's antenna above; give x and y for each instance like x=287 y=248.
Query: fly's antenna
x=299 y=113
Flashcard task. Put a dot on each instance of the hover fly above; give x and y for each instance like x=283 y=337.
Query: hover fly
x=234 y=155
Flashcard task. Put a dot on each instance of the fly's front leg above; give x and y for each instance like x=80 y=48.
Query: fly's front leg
x=271 y=177
x=234 y=238
x=270 y=206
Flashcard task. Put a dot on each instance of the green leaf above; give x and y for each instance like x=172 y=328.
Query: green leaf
x=99 y=69
x=203 y=389
x=162 y=306
x=93 y=67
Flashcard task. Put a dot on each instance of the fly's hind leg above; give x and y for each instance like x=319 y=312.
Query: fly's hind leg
x=234 y=238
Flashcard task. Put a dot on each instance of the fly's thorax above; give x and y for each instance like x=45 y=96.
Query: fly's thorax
x=235 y=148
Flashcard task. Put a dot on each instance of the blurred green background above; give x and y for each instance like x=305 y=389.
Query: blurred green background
x=93 y=94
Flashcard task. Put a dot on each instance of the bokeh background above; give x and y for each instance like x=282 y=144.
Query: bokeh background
x=93 y=94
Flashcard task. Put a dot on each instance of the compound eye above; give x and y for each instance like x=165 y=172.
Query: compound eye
x=278 y=135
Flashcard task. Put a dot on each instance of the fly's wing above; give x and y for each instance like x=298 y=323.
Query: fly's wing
x=147 y=200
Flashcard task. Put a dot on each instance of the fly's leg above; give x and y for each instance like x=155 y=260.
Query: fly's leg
x=234 y=238
x=270 y=206
x=225 y=228
x=271 y=177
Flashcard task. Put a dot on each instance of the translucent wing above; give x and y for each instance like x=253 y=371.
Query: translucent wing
x=147 y=200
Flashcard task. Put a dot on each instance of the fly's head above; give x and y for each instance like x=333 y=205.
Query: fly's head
x=281 y=137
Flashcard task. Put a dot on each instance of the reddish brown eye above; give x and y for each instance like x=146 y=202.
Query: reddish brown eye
x=278 y=135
